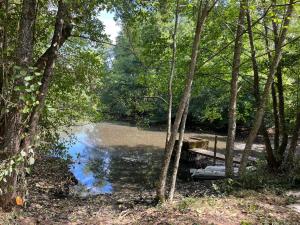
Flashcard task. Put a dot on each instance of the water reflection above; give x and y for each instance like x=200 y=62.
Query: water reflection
x=105 y=170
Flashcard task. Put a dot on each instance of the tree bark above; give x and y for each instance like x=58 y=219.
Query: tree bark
x=172 y=72
x=274 y=93
x=289 y=161
x=276 y=118
x=14 y=126
x=3 y=72
x=234 y=91
x=202 y=15
x=282 y=121
x=178 y=152
x=261 y=109
x=281 y=125
x=66 y=33
x=49 y=58
x=270 y=156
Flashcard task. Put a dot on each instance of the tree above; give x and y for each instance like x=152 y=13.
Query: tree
x=13 y=126
x=172 y=72
x=261 y=109
x=270 y=156
x=178 y=152
x=46 y=62
x=202 y=16
x=28 y=84
x=234 y=90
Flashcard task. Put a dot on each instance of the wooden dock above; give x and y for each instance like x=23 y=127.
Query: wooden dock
x=211 y=154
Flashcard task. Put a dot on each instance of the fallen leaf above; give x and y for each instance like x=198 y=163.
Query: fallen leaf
x=19 y=201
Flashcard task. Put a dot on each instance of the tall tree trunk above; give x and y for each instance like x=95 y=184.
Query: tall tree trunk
x=282 y=121
x=276 y=117
x=281 y=129
x=202 y=15
x=270 y=153
x=172 y=72
x=178 y=152
x=234 y=91
x=59 y=36
x=270 y=156
x=261 y=109
x=3 y=72
x=14 y=126
x=289 y=161
x=274 y=93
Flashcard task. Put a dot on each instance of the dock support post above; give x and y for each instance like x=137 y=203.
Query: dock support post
x=215 y=149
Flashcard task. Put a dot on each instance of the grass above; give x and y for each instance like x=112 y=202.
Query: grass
x=242 y=207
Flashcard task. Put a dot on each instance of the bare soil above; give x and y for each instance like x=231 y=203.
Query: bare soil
x=195 y=203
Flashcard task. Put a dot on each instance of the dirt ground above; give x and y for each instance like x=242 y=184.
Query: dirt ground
x=50 y=202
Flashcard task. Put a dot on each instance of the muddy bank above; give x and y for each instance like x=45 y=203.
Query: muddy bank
x=126 y=160
x=195 y=203
x=51 y=200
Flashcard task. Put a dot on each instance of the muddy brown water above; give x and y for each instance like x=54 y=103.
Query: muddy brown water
x=113 y=157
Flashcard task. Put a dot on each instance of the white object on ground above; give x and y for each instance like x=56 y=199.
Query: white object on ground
x=217 y=171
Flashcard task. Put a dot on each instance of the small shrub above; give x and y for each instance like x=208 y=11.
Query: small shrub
x=186 y=203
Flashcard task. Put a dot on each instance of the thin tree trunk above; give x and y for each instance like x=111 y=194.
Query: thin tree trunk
x=178 y=152
x=261 y=109
x=274 y=94
x=282 y=121
x=276 y=118
x=270 y=156
x=289 y=161
x=52 y=52
x=202 y=15
x=172 y=72
x=14 y=126
x=270 y=153
x=234 y=91
x=282 y=131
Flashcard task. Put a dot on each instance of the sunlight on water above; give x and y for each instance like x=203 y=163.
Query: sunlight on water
x=85 y=155
x=103 y=170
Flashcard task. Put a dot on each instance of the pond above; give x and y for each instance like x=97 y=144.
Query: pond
x=102 y=165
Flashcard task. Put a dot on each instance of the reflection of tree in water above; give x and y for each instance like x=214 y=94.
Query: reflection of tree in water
x=124 y=167
x=98 y=164
x=130 y=169
x=134 y=168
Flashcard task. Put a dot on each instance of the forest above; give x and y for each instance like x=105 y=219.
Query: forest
x=190 y=115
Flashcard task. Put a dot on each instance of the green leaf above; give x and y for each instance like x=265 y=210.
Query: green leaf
x=28 y=78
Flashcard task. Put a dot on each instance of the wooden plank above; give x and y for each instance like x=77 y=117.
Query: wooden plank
x=211 y=154
x=211 y=172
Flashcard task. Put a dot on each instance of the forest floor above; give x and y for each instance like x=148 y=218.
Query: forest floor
x=195 y=203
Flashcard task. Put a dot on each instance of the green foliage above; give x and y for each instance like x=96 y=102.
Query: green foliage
x=73 y=96
x=263 y=178
x=260 y=179
x=186 y=203
x=17 y=164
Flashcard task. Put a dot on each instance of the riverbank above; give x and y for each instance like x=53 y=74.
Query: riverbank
x=117 y=167
x=195 y=203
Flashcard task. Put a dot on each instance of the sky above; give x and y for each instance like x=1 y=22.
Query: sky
x=112 y=28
